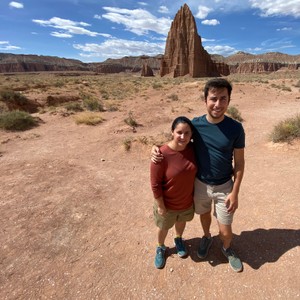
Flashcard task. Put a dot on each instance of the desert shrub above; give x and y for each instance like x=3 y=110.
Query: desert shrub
x=17 y=120
x=73 y=106
x=110 y=106
x=286 y=130
x=11 y=96
x=88 y=118
x=157 y=85
x=143 y=140
x=92 y=104
x=130 y=120
x=59 y=84
x=173 y=97
x=127 y=144
x=286 y=88
x=234 y=113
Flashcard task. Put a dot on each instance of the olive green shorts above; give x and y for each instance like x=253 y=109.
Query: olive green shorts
x=172 y=216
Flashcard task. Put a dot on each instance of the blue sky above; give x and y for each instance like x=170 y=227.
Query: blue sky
x=94 y=30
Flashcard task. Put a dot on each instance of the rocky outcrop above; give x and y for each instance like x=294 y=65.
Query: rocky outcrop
x=245 y=63
x=10 y=63
x=108 y=68
x=147 y=71
x=184 y=53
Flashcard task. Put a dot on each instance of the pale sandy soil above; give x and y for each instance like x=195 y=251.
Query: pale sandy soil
x=76 y=208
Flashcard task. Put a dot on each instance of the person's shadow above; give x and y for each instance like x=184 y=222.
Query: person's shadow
x=255 y=247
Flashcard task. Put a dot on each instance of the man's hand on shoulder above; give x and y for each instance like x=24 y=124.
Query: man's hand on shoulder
x=156 y=155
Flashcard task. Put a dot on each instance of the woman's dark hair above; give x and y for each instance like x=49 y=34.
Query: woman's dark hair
x=217 y=83
x=182 y=119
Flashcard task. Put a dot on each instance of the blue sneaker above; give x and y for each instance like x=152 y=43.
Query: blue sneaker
x=160 y=260
x=234 y=261
x=204 y=247
x=180 y=247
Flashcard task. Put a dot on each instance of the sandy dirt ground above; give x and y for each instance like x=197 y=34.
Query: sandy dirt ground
x=76 y=208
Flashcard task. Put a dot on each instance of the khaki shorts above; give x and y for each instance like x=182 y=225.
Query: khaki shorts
x=206 y=194
x=172 y=216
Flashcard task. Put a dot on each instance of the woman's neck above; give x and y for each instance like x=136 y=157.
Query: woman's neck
x=174 y=146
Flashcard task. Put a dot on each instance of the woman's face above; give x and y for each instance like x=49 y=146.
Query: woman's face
x=182 y=134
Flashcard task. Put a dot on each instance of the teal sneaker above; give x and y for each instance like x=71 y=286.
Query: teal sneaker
x=203 y=249
x=180 y=247
x=160 y=259
x=234 y=262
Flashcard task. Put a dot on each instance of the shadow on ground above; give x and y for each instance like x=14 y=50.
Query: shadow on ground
x=255 y=248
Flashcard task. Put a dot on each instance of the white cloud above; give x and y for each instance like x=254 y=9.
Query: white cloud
x=222 y=50
x=212 y=22
x=138 y=21
x=61 y=34
x=68 y=27
x=16 y=4
x=163 y=10
x=143 y=3
x=277 y=7
x=116 y=48
x=276 y=44
x=284 y=29
x=203 y=11
x=97 y=17
x=6 y=46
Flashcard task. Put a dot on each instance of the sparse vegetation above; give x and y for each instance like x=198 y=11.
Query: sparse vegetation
x=234 y=113
x=287 y=130
x=17 y=120
x=74 y=106
x=88 y=118
x=111 y=106
x=173 y=97
x=10 y=96
x=92 y=104
x=130 y=120
x=127 y=144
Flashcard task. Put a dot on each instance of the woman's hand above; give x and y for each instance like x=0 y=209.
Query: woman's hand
x=161 y=210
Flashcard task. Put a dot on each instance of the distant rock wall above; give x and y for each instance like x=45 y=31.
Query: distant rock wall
x=261 y=67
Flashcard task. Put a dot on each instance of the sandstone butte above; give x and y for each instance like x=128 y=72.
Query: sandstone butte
x=184 y=53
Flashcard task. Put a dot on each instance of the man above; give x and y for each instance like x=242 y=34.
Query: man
x=218 y=140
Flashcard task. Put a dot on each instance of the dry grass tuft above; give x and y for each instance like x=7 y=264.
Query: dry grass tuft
x=89 y=118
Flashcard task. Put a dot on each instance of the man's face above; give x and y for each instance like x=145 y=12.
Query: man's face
x=217 y=103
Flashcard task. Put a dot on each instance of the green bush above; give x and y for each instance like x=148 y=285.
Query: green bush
x=286 y=130
x=11 y=96
x=17 y=120
x=73 y=106
x=92 y=104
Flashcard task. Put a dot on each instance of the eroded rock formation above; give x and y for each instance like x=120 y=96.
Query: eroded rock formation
x=147 y=71
x=184 y=53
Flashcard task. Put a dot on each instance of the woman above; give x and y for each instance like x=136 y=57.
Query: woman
x=172 y=182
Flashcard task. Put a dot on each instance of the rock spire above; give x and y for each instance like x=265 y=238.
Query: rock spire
x=184 y=53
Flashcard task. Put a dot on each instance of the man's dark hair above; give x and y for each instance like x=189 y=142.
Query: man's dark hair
x=218 y=83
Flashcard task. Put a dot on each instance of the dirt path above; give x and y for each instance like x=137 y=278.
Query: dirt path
x=77 y=208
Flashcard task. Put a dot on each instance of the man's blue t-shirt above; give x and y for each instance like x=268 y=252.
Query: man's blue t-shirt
x=214 y=145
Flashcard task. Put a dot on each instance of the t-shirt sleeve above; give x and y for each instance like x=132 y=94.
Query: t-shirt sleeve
x=240 y=141
x=156 y=178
